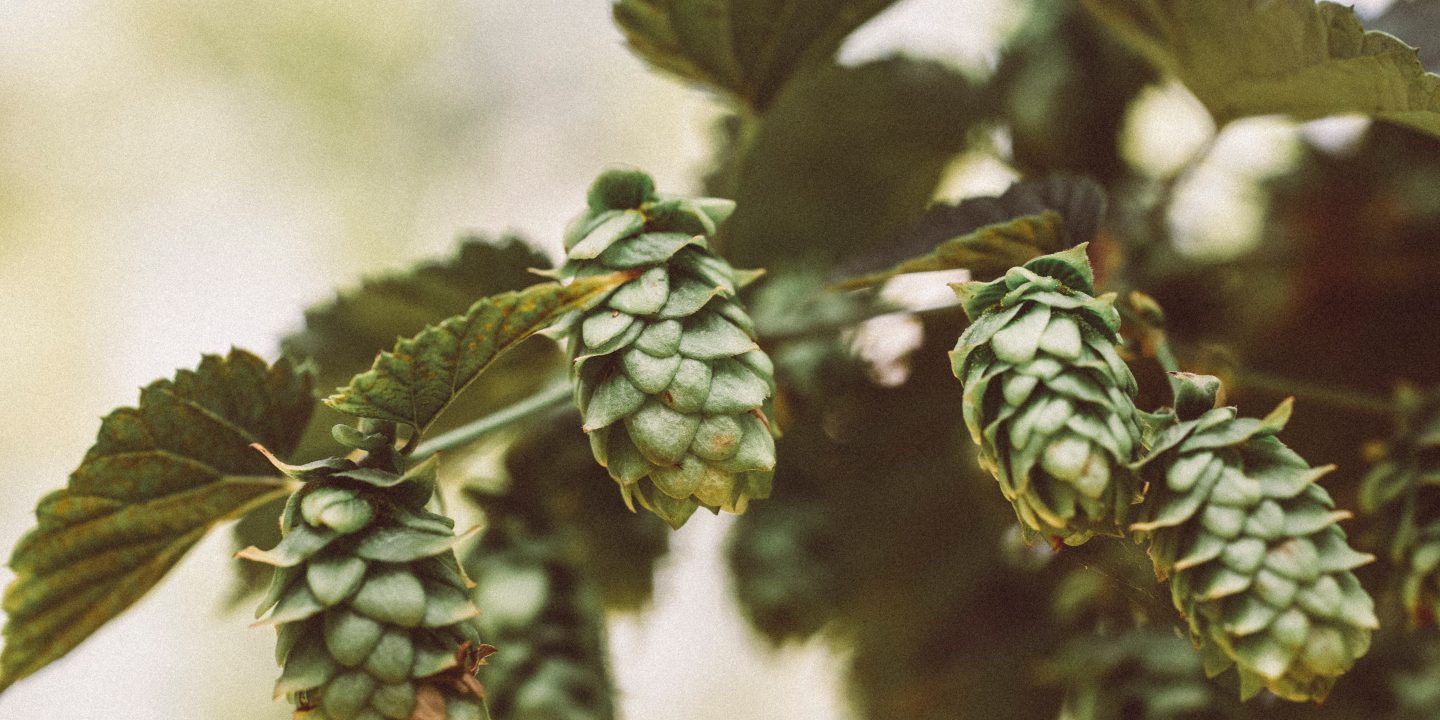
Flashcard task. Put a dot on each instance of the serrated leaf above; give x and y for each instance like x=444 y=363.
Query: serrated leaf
x=1079 y=201
x=1290 y=57
x=416 y=381
x=748 y=48
x=986 y=253
x=845 y=160
x=158 y=477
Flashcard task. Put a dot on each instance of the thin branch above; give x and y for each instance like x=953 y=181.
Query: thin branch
x=546 y=398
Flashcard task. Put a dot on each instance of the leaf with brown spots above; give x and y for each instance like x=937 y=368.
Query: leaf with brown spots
x=416 y=381
x=158 y=477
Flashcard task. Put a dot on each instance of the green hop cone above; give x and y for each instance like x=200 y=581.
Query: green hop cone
x=668 y=377
x=372 y=610
x=1047 y=398
x=1404 y=489
x=1257 y=563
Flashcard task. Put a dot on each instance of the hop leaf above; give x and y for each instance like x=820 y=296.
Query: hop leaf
x=740 y=47
x=1294 y=57
x=668 y=377
x=1257 y=564
x=1047 y=398
x=158 y=477
x=416 y=382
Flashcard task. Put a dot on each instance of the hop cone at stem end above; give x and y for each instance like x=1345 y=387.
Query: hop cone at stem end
x=671 y=383
x=1256 y=561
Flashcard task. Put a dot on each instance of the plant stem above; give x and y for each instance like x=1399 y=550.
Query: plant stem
x=544 y=399
x=1334 y=396
x=828 y=327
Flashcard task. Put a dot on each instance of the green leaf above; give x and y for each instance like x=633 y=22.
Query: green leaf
x=158 y=477
x=845 y=160
x=341 y=337
x=745 y=47
x=1287 y=57
x=986 y=253
x=416 y=381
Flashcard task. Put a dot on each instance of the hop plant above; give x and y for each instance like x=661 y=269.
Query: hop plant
x=1048 y=399
x=372 y=609
x=668 y=377
x=1256 y=561
x=1404 y=487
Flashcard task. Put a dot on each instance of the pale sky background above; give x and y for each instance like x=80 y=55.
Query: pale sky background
x=177 y=177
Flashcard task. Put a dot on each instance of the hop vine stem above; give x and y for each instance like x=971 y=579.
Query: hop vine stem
x=559 y=392
x=547 y=397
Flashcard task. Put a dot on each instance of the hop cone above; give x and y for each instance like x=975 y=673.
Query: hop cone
x=1048 y=399
x=1256 y=561
x=1405 y=487
x=668 y=376
x=374 y=615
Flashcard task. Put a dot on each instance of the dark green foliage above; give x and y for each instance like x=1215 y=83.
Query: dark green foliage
x=158 y=477
x=1065 y=87
x=1143 y=674
x=558 y=548
x=1031 y=218
x=875 y=534
x=746 y=48
x=1402 y=492
x=844 y=160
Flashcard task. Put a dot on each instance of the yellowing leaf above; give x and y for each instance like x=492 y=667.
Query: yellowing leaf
x=986 y=253
x=1289 y=57
x=416 y=381
x=746 y=47
x=158 y=477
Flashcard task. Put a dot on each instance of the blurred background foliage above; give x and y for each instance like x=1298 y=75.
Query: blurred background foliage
x=181 y=176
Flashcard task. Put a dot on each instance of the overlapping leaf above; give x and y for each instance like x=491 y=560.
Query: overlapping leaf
x=745 y=47
x=845 y=160
x=986 y=253
x=158 y=477
x=342 y=336
x=416 y=381
x=1288 y=57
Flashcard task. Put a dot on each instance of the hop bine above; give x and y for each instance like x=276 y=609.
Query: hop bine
x=372 y=609
x=1048 y=399
x=1256 y=561
x=668 y=377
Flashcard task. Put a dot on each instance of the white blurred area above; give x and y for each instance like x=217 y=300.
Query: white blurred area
x=177 y=177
